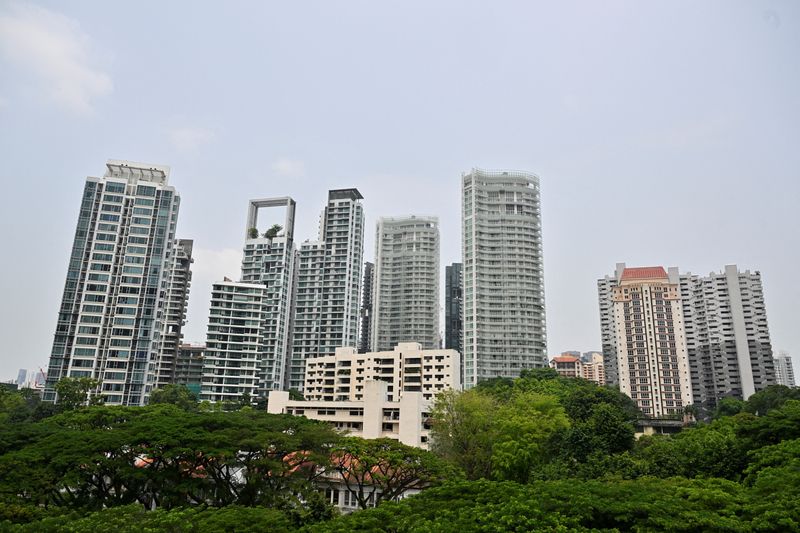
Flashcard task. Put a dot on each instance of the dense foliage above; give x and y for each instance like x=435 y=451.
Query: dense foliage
x=537 y=453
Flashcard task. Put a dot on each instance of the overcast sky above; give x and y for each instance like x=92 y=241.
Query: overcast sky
x=664 y=133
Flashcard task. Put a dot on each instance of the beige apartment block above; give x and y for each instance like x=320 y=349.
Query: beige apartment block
x=594 y=368
x=407 y=368
x=372 y=416
x=651 y=342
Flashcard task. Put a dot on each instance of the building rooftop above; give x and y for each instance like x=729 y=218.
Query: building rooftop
x=656 y=272
x=565 y=359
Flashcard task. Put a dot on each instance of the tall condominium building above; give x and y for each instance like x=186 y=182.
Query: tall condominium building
x=406 y=292
x=328 y=284
x=504 y=316
x=268 y=260
x=727 y=335
x=652 y=360
x=110 y=319
x=234 y=342
x=453 y=307
x=174 y=311
x=364 y=342
x=408 y=367
x=784 y=372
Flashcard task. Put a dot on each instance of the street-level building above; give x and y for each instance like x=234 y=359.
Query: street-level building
x=112 y=310
x=406 y=291
x=503 y=305
x=406 y=368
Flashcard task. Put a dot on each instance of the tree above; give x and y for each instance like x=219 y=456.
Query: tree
x=377 y=470
x=179 y=395
x=252 y=233
x=296 y=395
x=728 y=406
x=463 y=431
x=770 y=398
x=273 y=231
x=75 y=392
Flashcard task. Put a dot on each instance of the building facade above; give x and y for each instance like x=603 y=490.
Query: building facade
x=652 y=358
x=406 y=368
x=234 y=342
x=503 y=305
x=727 y=335
x=174 y=311
x=189 y=366
x=268 y=259
x=364 y=342
x=568 y=366
x=374 y=416
x=326 y=307
x=453 y=307
x=593 y=367
x=406 y=291
x=784 y=371
x=111 y=316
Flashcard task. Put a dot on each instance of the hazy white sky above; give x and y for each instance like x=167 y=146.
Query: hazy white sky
x=665 y=133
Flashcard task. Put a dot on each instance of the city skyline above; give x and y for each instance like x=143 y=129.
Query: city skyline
x=699 y=142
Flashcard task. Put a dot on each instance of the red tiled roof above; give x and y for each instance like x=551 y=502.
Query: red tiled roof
x=565 y=359
x=644 y=273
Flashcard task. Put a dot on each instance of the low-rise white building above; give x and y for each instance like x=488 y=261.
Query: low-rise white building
x=371 y=417
x=407 y=368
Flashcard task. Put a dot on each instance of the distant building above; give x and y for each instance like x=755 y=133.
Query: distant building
x=594 y=367
x=189 y=366
x=406 y=290
x=784 y=373
x=588 y=366
x=373 y=416
x=366 y=309
x=21 y=376
x=453 y=307
x=567 y=365
x=406 y=368
x=503 y=304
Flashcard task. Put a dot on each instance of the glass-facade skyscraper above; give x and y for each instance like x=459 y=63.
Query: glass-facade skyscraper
x=110 y=321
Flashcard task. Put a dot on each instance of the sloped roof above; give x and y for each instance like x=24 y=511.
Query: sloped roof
x=655 y=272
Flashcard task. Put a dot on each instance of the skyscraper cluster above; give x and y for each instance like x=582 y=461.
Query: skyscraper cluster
x=669 y=340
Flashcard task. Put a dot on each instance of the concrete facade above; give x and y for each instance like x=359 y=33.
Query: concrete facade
x=406 y=290
x=784 y=371
x=406 y=368
x=503 y=306
x=328 y=284
x=372 y=417
x=652 y=358
x=364 y=341
x=234 y=341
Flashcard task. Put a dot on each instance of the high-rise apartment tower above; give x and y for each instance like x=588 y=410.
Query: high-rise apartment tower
x=111 y=317
x=328 y=284
x=504 y=314
x=406 y=291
